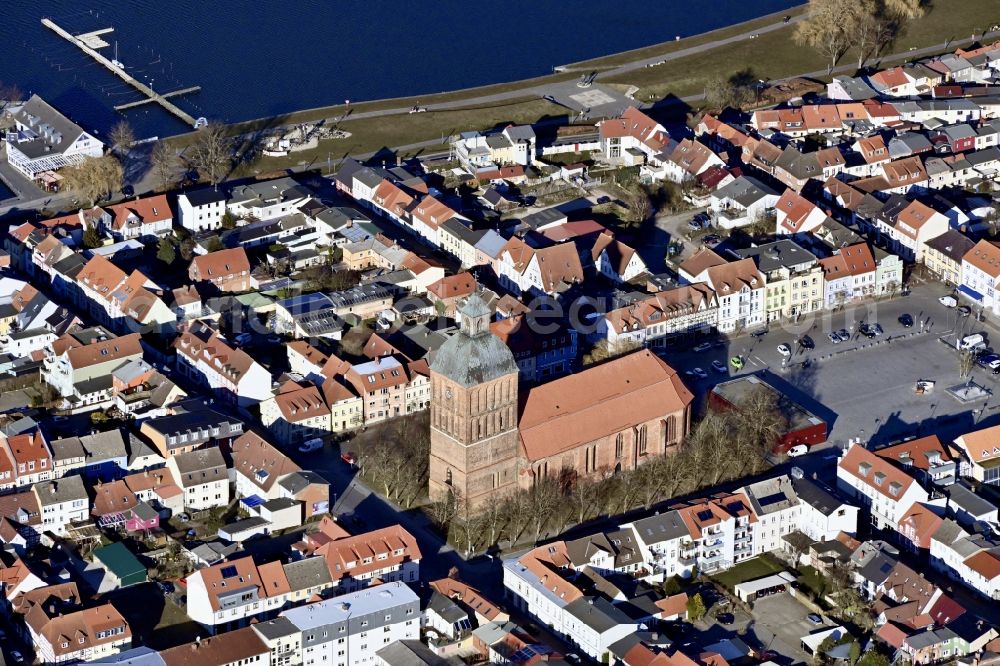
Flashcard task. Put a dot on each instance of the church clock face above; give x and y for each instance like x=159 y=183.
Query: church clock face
x=448 y=393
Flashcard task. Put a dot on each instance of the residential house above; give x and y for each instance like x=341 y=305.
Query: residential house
x=540 y=354
x=80 y=635
x=225 y=270
x=233 y=375
x=201 y=209
x=549 y=270
x=796 y=214
x=793 y=278
x=122 y=300
x=886 y=491
x=615 y=260
x=654 y=320
x=25 y=459
x=183 y=432
x=910 y=228
x=744 y=201
x=980 y=455
x=267 y=200
x=943 y=256
x=740 y=290
x=296 y=413
x=62 y=502
x=449 y=291
x=367 y=621
x=980 y=275
x=203 y=477
x=632 y=138
x=141 y=218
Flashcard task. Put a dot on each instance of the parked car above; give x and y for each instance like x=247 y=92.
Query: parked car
x=703 y=347
x=349 y=457
x=711 y=240
x=834 y=338
x=814 y=618
x=784 y=349
x=964 y=310
x=759 y=333
x=843 y=335
x=696 y=372
x=736 y=362
x=906 y=320
x=798 y=450
x=165 y=586
x=948 y=301
x=877 y=329
x=986 y=360
x=310 y=445
x=973 y=342
x=720 y=367
x=725 y=618
x=17 y=657
x=603 y=199
x=806 y=342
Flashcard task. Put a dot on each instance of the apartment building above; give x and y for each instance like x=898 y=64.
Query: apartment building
x=351 y=629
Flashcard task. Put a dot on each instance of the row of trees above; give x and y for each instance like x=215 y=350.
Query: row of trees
x=724 y=446
x=393 y=457
x=833 y=27
x=95 y=178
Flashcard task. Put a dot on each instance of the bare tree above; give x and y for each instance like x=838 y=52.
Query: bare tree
x=93 y=178
x=583 y=498
x=906 y=9
x=122 y=137
x=164 y=163
x=640 y=206
x=828 y=29
x=543 y=499
x=211 y=152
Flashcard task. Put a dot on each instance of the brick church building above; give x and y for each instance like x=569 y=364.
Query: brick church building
x=487 y=440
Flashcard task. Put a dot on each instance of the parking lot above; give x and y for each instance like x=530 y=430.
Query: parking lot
x=779 y=623
x=863 y=387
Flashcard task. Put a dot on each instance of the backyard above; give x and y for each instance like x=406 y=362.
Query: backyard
x=758 y=567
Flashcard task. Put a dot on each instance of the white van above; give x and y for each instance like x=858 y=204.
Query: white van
x=974 y=341
x=948 y=301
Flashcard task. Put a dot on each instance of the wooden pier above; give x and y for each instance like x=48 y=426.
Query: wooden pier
x=84 y=43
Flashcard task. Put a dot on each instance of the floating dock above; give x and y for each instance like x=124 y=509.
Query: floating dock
x=91 y=41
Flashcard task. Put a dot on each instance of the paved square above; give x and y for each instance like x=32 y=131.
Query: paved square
x=592 y=99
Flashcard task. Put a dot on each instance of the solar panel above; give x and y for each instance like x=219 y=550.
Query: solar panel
x=228 y=571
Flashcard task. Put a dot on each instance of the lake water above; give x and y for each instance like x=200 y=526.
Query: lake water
x=256 y=59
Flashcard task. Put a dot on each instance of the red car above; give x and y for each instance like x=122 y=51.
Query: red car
x=349 y=458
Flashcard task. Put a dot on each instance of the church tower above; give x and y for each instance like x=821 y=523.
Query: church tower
x=474 y=436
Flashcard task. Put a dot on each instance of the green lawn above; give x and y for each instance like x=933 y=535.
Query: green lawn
x=758 y=567
x=775 y=55
x=812 y=580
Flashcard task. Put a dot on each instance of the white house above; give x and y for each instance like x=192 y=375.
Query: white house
x=62 y=502
x=742 y=202
x=739 y=288
x=980 y=276
x=203 y=355
x=201 y=209
x=45 y=140
x=352 y=628
x=203 y=477
x=884 y=489
x=267 y=200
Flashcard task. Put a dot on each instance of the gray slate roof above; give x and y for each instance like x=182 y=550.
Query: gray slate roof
x=474 y=359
